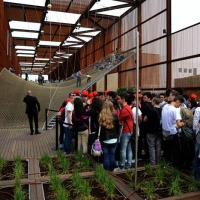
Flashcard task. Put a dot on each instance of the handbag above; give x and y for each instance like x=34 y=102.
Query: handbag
x=96 y=149
x=187 y=134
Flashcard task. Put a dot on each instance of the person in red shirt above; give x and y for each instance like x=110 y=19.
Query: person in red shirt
x=126 y=120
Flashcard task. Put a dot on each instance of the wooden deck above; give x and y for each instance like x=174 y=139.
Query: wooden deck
x=19 y=142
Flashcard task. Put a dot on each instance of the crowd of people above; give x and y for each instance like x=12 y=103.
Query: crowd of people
x=161 y=118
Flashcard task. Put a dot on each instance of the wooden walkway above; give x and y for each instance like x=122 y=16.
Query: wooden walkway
x=18 y=142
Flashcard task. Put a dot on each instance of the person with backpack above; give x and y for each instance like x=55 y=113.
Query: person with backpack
x=154 y=132
x=109 y=123
x=125 y=119
x=68 y=128
x=196 y=131
x=81 y=124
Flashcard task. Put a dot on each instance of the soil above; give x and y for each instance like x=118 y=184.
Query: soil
x=161 y=191
x=8 y=193
x=74 y=163
x=97 y=192
x=7 y=172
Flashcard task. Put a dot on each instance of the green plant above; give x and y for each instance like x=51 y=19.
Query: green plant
x=193 y=185
x=148 y=170
x=149 y=190
x=130 y=174
x=18 y=169
x=46 y=160
x=82 y=187
x=174 y=188
x=175 y=174
x=124 y=89
x=2 y=164
x=107 y=182
x=64 y=163
x=159 y=173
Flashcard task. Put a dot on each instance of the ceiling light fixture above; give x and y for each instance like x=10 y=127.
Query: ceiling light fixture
x=49 y=6
x=42 y=32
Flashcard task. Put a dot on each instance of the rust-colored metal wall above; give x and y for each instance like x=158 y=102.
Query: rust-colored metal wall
x=7 y=54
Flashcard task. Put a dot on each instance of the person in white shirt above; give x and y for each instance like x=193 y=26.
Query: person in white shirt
x=171 y=122
x=68 y=119
x=196 y=130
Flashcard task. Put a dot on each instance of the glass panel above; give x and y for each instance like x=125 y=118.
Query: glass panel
x=105 y=4
x=21 y=34
x=25 y=55
x=80 y=29
x=25 y=47
x=20 y=51
x=61 y=17
x=154 y=52
x=24 y=25
x=153 y=77
x=183 y=78
x=94 y=33
x=87 y=39
x=115 y=12
x=29 y=2
x=49 y=43
x=151 y=8
x=186 y=42
x=153 y=28
x=185 y=11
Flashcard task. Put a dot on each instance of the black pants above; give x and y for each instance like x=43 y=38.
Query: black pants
x=88 y=79
x=61 y=133
x=30 y=118
x=78 y=83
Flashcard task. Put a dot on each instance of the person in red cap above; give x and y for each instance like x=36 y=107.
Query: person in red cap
x=95 y=93
x=90 y=95
x=85 y=93
x=77 y=92
x=193 y=96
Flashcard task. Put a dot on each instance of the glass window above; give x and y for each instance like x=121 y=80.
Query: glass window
x=185 y=70
x=194 y=71
x=180 y=70
x=190 y=70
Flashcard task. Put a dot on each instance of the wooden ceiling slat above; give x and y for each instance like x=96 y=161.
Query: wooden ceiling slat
x=60 y=5
x=34 y=15
x=15 y=14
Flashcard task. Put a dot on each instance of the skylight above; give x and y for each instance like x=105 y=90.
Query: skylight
x=25 y=55
x=77 y=46
x=61 y=17
x=65 y=57
x=49 y=43
x=115 y=12
x=24 y=25
x=106 y=4
x=21 y=34
x=87 y=39
x=25 y=63
x=40 y=3
x=41 y=58
x=29 y=52
x=25 y=47
x=83 y=29
x=68 y=43
x=71 y=39
x=91 y=33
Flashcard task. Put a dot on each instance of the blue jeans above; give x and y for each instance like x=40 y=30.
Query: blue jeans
x=197 y=164
x=109 y=155
x=68 y=140
x=125 y=150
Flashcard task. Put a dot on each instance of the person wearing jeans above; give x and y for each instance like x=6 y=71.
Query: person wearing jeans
x=125 y=118
x=68 y=119
x=108 y=121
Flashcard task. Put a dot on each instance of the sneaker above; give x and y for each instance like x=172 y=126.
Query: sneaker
x=133 y=161
x=118 y=169
x=61 y=146
x=37 y=132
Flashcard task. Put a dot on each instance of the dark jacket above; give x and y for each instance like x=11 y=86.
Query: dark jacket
x=94 y=118
x=107 y=134
x=31 y=103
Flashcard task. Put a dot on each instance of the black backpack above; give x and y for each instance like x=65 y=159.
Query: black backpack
x=61 y=119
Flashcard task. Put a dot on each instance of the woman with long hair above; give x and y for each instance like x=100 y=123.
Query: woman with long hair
x=92 y=110
x=81 y=125
x=109 y=123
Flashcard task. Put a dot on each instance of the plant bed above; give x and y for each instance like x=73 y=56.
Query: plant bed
x=63 y=164
x=101 y=186
x=8 y=193
x=7 y=169
x=160 y=183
